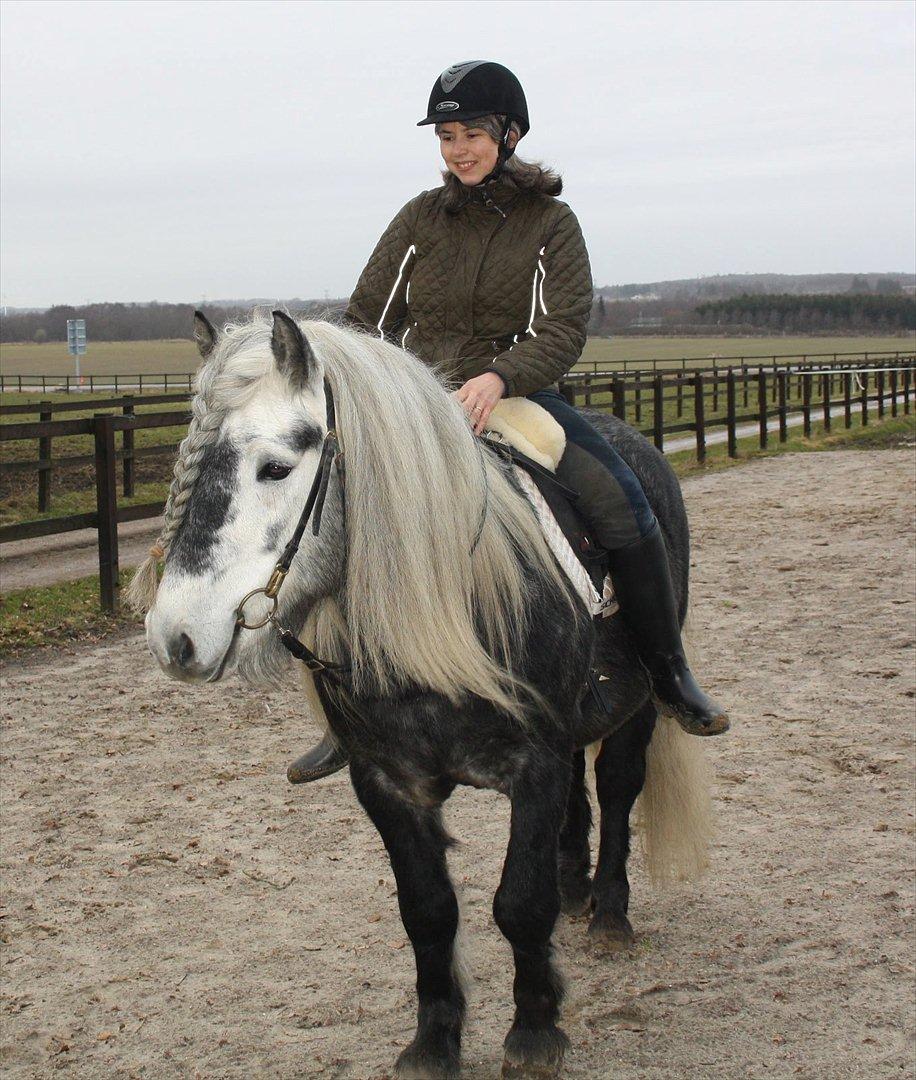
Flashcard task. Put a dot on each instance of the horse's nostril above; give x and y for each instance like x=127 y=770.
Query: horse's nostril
x=182 y=651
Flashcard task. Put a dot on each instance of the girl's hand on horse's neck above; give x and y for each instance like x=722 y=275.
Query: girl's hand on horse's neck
x=479 y=397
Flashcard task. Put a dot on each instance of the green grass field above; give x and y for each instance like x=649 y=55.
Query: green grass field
x=158 y=357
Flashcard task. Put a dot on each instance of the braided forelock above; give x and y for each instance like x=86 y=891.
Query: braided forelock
x=203 y=431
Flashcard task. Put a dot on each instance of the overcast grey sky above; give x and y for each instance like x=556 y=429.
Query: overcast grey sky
x=174 y=151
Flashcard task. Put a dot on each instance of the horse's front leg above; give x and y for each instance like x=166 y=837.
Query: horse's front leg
x=525 y=907
x=416 y=842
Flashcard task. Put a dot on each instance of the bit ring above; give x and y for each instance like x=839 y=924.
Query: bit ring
x=240 y=611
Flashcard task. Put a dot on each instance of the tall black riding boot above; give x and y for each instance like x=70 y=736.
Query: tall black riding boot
x=322 y=760
x=642 y=583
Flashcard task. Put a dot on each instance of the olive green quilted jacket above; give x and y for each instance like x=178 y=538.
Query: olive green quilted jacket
x=500 y=284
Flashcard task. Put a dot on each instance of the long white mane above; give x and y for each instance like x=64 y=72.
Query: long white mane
x=435 y=593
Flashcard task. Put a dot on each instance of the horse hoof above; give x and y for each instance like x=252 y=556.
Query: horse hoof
x=611 y=934
x=576 y=897
x=574 y=907
x=415 y=1064
x=534 y=1054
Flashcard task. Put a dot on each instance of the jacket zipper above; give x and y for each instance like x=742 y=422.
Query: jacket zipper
x=486 y=247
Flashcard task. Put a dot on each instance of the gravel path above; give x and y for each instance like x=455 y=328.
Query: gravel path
x=172 y=909
x=68 y=556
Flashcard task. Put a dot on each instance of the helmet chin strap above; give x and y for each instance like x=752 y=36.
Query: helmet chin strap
x=503 y=154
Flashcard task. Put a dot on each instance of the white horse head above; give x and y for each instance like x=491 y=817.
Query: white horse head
x=253 y=449
x=415 y=575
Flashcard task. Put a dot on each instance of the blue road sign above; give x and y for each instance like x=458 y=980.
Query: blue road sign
x=76 y=336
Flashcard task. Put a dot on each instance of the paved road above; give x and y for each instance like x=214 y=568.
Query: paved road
x=68 y=556
x=720 y=435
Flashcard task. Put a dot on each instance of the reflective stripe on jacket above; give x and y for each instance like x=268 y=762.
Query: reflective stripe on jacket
x=502 y=283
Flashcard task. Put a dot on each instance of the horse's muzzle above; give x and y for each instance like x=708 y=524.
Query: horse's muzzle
x=180 y=658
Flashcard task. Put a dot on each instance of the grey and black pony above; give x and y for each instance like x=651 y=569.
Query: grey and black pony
x=463 y=649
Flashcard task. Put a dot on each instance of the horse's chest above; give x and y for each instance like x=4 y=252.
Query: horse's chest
x=424 y=748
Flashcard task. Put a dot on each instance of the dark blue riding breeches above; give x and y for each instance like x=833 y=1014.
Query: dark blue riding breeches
x=609 y=493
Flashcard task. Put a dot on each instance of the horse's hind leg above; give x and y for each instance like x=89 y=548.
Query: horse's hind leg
x=416 y=843
x=525 y=907
x=575 y=852
x=620 y=772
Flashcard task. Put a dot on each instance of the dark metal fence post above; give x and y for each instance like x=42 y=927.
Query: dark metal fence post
x=847 y=399
x=44 y=460
x=619 y=397
x=894 y=392
x=731 y=432
x=880 y=380
x=699 y=413
x=658 y=411
x=744 y=384
x=825 y=383
x=864 y=397
x=107 y=510
x=762 y=406
x=638 y=413
x=680 y=395
x=782 y=379
x=127 y=445
x=806 y=404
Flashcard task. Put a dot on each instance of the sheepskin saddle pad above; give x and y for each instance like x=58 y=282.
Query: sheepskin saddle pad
x=530 y=429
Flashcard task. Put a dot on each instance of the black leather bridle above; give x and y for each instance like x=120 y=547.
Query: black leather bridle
x=331 y=458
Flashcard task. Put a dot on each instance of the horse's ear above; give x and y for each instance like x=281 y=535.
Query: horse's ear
x=204 y=334
x=291 y=349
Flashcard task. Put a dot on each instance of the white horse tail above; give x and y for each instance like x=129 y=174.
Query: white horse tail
x=674 y=811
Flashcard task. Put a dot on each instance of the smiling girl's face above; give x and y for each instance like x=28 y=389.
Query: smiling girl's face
x=468 y=152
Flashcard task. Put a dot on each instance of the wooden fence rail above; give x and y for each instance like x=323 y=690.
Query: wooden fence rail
x=46 y=464
x=106 y=517
x=778 y=393
x=71 y=384
x=887 y=386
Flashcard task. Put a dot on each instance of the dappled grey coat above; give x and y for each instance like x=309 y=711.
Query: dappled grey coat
x=501 y=283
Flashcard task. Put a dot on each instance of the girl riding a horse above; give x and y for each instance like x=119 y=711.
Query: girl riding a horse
x=330 y=502
x=487 y=279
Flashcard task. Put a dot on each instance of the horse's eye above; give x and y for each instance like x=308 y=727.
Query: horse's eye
x=274 y=470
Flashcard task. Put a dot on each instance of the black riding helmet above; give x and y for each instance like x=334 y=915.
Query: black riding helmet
x=476 y=88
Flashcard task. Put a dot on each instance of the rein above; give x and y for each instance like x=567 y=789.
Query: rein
x=331 y=456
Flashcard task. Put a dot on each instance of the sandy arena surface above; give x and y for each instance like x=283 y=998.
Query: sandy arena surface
x=172 y=908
